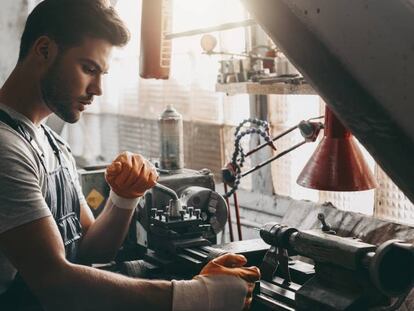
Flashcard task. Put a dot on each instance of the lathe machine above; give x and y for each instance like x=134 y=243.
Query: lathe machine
x=174 y=234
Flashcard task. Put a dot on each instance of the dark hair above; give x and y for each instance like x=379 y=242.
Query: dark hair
x=68 y=22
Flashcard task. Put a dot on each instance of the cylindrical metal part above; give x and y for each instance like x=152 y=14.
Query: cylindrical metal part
x=268 y=233
x=277 y=235
x=175 y=208
x=213 y=207
x=323 y=247
x=392 y=267
x=171 y=139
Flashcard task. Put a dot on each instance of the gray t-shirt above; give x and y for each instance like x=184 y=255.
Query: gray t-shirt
x=22 y=181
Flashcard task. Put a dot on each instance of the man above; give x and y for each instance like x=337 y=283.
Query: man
x=46 y=227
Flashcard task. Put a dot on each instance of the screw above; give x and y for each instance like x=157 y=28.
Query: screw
x=190 y=211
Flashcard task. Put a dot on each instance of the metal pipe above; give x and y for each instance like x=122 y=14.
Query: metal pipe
x=226 y=26
x=228 y=214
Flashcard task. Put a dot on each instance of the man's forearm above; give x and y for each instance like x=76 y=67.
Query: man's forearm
x=78 y=287
x=106 y=234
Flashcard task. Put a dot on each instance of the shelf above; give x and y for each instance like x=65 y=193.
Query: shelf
x=264 y=89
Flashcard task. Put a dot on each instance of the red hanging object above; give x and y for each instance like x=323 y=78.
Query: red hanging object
x=337 y=163
x=155 y=55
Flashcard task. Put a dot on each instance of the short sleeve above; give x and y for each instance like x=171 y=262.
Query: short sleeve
x=21 y=197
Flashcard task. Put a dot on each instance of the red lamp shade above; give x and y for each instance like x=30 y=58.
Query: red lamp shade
x=337 y=163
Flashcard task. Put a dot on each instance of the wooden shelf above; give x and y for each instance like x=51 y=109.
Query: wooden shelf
x=264 y=89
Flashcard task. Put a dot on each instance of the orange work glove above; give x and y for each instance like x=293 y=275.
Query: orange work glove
x=232 y=264
x=130 y=175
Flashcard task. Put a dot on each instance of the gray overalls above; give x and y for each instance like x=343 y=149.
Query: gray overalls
x=63 y=201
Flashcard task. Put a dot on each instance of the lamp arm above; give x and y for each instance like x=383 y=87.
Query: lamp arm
x=271 y=142
x=281 y=154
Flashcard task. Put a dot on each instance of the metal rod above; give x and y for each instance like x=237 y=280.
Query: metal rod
x=228 y=214
x=166 y=190
x=273 y=158
x=239 y=54
x=270 y=142
x=316 y=118
x=226 y=26
x=236 y=207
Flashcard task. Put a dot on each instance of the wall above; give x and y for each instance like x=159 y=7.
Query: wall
x=13 y=15
x=100 y=137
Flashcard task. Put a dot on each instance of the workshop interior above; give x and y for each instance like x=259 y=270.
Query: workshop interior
x=280 y=129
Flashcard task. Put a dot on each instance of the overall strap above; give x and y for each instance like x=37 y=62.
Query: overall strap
x=53 y=143
x=7 y=119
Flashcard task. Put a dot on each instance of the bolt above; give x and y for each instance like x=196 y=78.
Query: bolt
x=153 y=212
x=182 y=213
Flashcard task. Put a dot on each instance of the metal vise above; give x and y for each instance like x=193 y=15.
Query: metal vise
x=349 y=274
x=182 y=211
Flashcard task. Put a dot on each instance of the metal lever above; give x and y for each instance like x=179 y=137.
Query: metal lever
x=325 y=226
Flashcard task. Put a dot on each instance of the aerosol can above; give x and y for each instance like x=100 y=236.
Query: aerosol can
x=171 y=139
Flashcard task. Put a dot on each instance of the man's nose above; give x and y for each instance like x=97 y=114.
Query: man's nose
x=95 y=87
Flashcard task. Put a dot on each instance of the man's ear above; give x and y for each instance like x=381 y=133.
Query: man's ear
x=45 y=49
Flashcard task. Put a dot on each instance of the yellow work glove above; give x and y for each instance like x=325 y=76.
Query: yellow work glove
x=130 y=175
x=232 y=264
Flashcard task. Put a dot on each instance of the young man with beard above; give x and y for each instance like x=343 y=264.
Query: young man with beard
x=46 y=227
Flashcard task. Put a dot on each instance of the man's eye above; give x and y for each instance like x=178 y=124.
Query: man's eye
x=89 y=69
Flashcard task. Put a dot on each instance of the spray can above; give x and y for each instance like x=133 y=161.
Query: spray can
x=171 y=139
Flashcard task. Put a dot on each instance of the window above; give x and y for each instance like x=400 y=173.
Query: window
x=126 y=115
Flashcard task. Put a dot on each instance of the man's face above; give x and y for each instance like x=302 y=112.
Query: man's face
x=75 y=77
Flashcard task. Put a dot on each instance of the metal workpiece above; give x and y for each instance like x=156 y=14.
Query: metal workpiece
x=349 y=274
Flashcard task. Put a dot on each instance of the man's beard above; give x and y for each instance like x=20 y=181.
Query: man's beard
x=56 y=94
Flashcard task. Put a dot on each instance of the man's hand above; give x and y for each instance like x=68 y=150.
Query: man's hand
x=130 y=175
x=232 y=264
